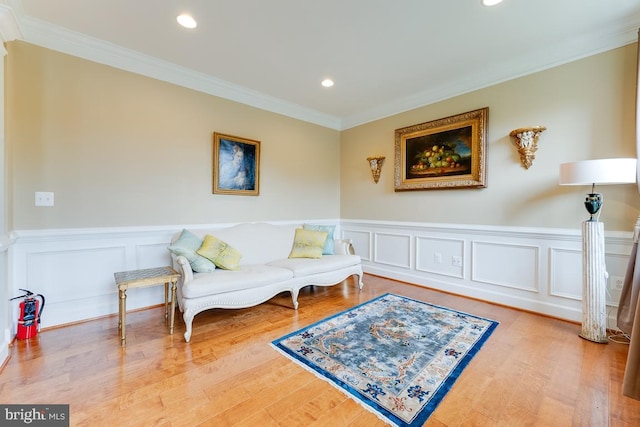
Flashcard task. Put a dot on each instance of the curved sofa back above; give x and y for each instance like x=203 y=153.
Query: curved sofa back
x=259 y=243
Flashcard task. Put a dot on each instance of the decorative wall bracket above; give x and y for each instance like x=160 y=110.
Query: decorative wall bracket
x=526 y=139
x=375 y=163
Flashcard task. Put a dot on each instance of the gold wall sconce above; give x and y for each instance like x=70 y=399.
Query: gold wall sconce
x=375 y=163
x=526 y=139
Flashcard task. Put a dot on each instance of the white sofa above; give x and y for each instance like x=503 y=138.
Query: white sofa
x=264 y=271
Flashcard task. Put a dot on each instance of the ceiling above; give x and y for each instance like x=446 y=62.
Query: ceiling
x=386 y=56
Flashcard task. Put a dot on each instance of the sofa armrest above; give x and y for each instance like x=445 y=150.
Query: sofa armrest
x=181 y=264
x=344 y=247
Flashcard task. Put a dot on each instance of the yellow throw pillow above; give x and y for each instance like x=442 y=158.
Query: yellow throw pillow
x=308 y=243
x=220 y=253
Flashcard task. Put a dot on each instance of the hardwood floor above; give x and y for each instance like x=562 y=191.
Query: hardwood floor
x=533 y=370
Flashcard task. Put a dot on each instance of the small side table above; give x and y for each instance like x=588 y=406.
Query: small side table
x=140 y=279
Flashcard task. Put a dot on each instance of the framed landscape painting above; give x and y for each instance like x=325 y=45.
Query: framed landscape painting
x=236 y=165
x=444 y=153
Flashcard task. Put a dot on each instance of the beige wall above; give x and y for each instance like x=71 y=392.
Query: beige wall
x=588 y=108
x=119 y=149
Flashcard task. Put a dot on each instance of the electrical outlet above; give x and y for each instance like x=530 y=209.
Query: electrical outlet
x=456 y=261
x=437 y=258
x=44 y=198
x=616 y=282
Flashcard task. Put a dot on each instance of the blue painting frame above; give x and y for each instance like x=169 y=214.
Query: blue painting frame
x=236 y=165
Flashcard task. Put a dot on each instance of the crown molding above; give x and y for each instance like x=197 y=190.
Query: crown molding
x=9 y=27
x=62 y=40
x=512 y=68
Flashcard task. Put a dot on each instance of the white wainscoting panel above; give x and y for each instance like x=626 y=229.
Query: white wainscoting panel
x=533 y=269
x=510 y=265
x=47 y=270
x=5 y=332
x=528 y=268
x=438 y=255
x=147 y=255
x=392 y=249
x=361 y=240
x=566 y=280
x=615 y=263
x=73 y=268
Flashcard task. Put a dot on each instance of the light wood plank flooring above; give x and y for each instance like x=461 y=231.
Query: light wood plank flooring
x=533 y=371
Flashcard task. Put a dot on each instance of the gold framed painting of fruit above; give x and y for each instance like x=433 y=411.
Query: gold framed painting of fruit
x=443 y=154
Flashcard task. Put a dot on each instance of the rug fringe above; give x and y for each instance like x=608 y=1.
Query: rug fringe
x=336 y=386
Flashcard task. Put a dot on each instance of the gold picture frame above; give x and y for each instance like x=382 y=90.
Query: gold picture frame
x=236 y=165
x=443 y=154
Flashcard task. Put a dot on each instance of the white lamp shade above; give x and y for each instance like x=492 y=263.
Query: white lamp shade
x=602 y=172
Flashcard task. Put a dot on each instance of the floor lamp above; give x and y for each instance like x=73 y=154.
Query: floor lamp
x=594 y=269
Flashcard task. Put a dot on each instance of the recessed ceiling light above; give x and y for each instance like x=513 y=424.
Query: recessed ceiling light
x=186 y=21
x=491 y=2
x=327 y=83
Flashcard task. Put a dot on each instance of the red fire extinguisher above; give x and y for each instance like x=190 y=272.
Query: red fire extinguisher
x=30 y=314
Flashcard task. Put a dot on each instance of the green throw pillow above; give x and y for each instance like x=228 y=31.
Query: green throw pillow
x=186 y=245
x=329 y=248
x=220 y=253
x=308 y=243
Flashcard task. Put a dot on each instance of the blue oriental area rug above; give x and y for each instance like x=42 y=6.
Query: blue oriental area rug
x=396 y=356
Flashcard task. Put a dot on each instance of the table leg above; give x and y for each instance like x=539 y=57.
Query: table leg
x=166 y=302
x=122 y=316
x=173 y=306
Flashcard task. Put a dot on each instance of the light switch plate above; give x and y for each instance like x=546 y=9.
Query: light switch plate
x=44 y=198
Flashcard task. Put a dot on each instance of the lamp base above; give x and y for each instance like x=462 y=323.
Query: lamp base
x=593 y=203
x=594 y=282
x=594 y=339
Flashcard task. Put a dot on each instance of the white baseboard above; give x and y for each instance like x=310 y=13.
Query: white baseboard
x=4 y=347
